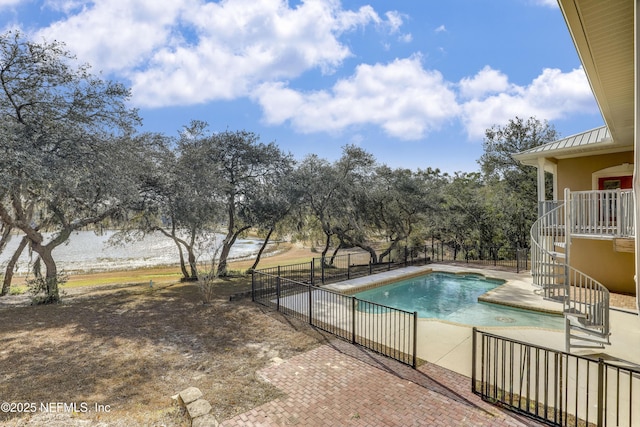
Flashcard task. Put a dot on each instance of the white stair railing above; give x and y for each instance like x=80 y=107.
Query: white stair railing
x=603 y=213
x=547 y=253
x=588 y=301
x=585 y=300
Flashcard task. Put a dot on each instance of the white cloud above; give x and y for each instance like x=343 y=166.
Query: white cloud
x=395 y=21
x=9 y=3
x=486 y=81
x=182 y=52
x=547 y=3
x=408 y=101
x=178 y=52
x=552 y=95
x=114 y=36
x=65 y=6
x=349 y=19
x=401 y=97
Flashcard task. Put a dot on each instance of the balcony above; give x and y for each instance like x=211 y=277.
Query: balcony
x=606 y=214
x=602 y=214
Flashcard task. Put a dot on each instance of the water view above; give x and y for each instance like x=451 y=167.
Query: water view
x=88 y=251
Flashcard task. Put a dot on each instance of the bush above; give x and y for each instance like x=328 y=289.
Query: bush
x=17 y=290
x=207 y=287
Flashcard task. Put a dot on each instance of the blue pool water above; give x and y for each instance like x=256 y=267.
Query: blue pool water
x=454 y=297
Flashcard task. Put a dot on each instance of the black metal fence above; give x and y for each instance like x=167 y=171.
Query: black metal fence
x=383 y=329
x=511 y=258
x=348 y=266
x=552 y=386
x=356 y=264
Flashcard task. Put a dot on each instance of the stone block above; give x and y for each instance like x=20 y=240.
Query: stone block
x=198 y=408
x=189 y=395
x=204 y=421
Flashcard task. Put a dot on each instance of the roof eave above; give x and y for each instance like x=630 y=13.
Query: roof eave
x=603 y=147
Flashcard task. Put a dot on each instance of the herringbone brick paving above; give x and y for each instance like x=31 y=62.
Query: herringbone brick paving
x=338 y=384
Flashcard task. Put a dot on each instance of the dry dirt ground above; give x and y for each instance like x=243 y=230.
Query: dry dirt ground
x=130 y=348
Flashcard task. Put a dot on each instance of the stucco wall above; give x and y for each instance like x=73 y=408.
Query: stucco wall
x=598 y=259
x=576 y=173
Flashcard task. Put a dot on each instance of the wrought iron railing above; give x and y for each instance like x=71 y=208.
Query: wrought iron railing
x=331 y=269
x=552 y=386
x=385 y=330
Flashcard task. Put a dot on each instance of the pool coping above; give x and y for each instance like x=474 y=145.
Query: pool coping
x=382 y=282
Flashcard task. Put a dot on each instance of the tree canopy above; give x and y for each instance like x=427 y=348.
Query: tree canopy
x=72 y=158
x=69 y=159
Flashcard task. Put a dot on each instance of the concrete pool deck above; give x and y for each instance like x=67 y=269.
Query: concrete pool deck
x=449 y=345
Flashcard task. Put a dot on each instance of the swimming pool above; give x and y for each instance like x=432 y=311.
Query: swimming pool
x=454 y=297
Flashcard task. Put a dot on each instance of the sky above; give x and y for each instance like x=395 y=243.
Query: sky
x=415 y=83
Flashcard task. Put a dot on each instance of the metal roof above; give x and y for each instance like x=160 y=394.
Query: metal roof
x=580 y=140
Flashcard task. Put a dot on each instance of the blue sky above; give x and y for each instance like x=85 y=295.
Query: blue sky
x=415 y=83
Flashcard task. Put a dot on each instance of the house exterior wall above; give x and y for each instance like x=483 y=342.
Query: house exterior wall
x=575 y=173
x=598 y=259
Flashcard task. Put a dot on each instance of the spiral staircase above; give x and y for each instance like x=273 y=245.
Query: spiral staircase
x=585 y=300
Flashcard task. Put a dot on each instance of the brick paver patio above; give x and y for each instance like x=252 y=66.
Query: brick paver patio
x=338 y=384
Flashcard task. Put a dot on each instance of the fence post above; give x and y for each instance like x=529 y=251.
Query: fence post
x=414 y=363
x=601 y=386
x=278 y=292
x=348 y=266
x=322 y=270
x=370 y=267
x=405 y=256
x=310 y=305
x=517 y=260
x=253 y=285
x=473 y=358
x=313 y=270
x=495 y=256
x=354 y=305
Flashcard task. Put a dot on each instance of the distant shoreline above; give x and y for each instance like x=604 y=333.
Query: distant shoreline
x=283 y=254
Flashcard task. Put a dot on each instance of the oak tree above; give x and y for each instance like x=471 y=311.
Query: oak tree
x=69 y=157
